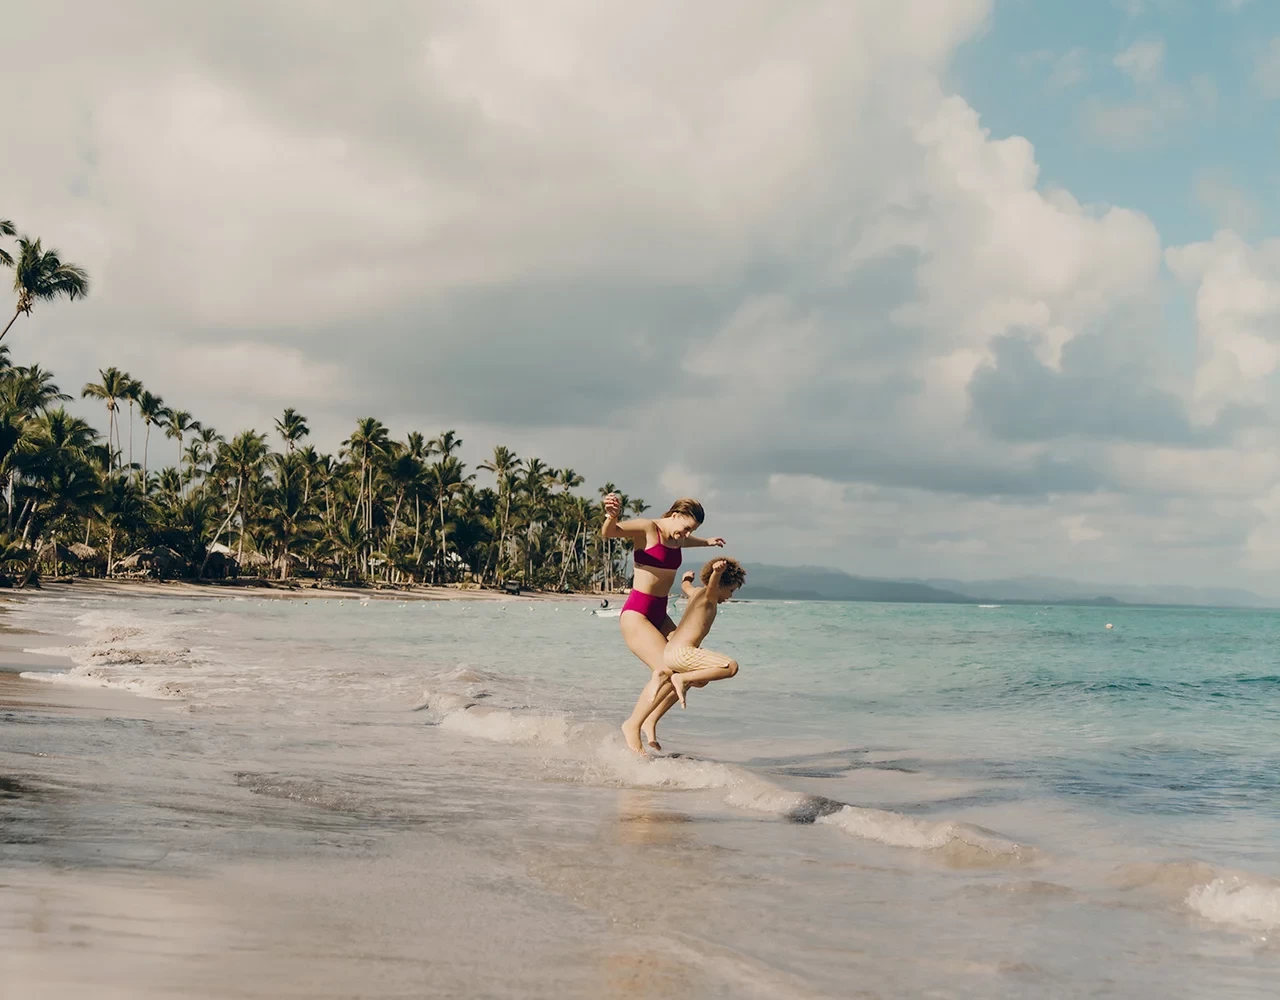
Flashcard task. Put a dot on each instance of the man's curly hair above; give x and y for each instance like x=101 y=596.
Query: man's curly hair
x=733 y=577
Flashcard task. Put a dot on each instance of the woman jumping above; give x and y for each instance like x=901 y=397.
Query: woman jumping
x=644 y=620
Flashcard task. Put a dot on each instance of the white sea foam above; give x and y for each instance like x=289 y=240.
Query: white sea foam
x=1236 y=901
x=127 y=652
x=898 y=830
x=505 y=726
x=606 y=760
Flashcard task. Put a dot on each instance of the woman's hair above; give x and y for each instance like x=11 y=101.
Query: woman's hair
x=689 y=507
x=733 y=577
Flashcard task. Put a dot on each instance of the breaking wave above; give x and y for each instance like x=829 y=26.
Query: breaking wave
x=598 y=756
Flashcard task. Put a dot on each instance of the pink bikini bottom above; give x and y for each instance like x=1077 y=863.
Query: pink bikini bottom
x=651 y=606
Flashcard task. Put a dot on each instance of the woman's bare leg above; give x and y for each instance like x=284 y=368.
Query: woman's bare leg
x=650 y=728
x=666 y=698
x=649 y=644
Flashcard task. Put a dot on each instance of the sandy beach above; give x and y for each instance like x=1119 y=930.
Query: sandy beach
x=302 y=890
x=217 y=794
x=306 y=590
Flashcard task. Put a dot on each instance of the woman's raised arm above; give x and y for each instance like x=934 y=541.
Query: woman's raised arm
x=637 y=530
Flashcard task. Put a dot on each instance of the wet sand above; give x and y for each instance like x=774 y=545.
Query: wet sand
x=97 y=900
x=292 y=589
x=20 y=693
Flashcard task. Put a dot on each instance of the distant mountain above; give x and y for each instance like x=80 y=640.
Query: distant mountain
x=817 y=583
x=814 y=583
x=1057 y=590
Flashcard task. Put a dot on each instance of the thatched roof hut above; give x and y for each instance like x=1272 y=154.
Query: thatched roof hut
x=85 y=553
x=160 y=561
x=57 y=552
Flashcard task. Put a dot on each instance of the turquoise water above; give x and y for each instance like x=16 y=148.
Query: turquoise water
x=942 y=800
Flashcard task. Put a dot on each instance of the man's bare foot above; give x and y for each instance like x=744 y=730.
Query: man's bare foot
x=632 y=736
x=677 y=682
x=651 y=740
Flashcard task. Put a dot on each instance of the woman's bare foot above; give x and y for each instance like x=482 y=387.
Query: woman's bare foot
x=677 y=682
x=632 y=736
x=651 y=739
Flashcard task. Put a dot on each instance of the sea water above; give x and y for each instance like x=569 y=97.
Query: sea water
x=383 y=797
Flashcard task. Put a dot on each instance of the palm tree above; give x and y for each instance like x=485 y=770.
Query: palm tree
x=122 y=507
x=239 y=460
x=447 y=480
x=289 y=524
x=6 y=229
x=369 y=442
x=61 y=480
x=153 y=411
x=568 y=480
x=177 y=424
x=61 y=433
x=606 y=549
x=113 y=387
x=39 y=275
x=359 y=515
x=533 y=487
x=347 y=540
x=404 y=472
x=446 y=444
x=133 y=392
x=292 y=426
x=33 y=388
x=504 y=465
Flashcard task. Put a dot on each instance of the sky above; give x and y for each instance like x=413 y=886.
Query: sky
x=914 y=288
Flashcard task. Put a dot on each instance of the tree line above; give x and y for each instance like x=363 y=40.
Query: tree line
x=379 y=510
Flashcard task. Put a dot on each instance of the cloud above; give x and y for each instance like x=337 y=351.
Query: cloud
x=784 y=258
x=1228 y=205
x=1266 y=71
x=1157 y=107
x=1237 y=305
x=1089 y=394
x=1066 y=69
x=1143 y=61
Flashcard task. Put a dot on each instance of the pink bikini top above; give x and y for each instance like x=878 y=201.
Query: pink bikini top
x=658 y=557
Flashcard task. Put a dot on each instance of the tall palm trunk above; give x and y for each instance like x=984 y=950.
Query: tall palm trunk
x=225 y=524
x=443 y=543
x=495 y=555
x=10 y=323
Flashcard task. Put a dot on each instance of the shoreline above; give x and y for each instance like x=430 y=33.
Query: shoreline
x=286 y=590
x=23 y=694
